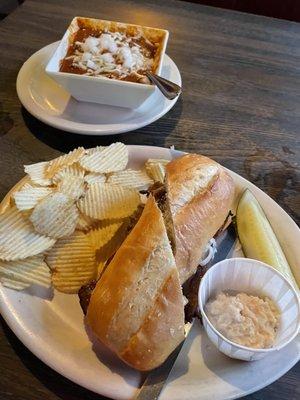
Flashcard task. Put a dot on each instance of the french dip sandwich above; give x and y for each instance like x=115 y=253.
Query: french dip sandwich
x=137 y=307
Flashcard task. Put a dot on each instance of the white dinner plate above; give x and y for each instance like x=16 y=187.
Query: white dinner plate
x=46 y=100
x=54 y=330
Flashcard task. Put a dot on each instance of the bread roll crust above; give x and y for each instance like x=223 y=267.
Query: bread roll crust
x=200 y=195
x=141 y=280
x=151 y=345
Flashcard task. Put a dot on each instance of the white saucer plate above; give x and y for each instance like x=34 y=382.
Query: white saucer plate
x=54 y=330
x=46 y=100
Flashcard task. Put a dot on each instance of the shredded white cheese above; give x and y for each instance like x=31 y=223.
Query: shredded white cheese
x=111 y=52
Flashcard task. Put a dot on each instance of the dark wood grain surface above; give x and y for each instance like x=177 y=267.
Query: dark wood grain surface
x=240 y=105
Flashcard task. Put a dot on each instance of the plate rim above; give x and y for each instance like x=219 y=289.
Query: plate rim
x=16 y=327
x=77 y=127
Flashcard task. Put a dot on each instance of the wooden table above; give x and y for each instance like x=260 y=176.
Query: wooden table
x=240 y=106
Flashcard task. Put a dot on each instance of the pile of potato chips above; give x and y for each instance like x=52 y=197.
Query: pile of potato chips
x=69 y=217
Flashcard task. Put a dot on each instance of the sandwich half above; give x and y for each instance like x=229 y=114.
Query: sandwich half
x=137 y=307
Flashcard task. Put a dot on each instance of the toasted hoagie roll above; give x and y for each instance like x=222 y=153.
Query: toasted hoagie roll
x=137 y=306
x=199 y=195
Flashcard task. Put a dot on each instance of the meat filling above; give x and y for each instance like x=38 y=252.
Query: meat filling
x=190 y=288
x=159 y=192
x=190 y=291
x=85 y=293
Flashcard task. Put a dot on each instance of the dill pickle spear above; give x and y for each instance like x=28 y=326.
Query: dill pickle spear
x=257 y=237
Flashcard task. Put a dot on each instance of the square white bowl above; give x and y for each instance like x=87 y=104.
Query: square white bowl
x=99 y=89
x=256 y=278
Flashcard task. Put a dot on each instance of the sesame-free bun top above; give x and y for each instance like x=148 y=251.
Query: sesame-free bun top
x=200 y=194
x=137 y=307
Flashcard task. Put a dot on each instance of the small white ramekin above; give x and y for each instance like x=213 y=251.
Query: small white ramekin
x=99 y=89
x=256 y=278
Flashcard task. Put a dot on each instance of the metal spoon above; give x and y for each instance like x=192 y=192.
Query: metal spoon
x=169 y=89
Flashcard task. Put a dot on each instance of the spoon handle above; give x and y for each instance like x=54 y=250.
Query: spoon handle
x=169 y=89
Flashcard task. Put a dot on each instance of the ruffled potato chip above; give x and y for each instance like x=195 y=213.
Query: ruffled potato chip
x=65 y=160
x=156 y=171
x=71 y=170
x=72 y=186
x=72 y=261
x=37 y=173
x=55 y=216
x=86 y=223
x=18 y=239
x=100 y=236
x=29 y=196
x=21 y=274
x=130 y=178
x=94 y=178
x=106 y=201
x=93 y=150
x=106 y=159
x=161 y=161
x=13 y=283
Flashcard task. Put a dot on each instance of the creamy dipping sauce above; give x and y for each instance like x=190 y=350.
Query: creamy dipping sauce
x=114 y=55
x=247 y=320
